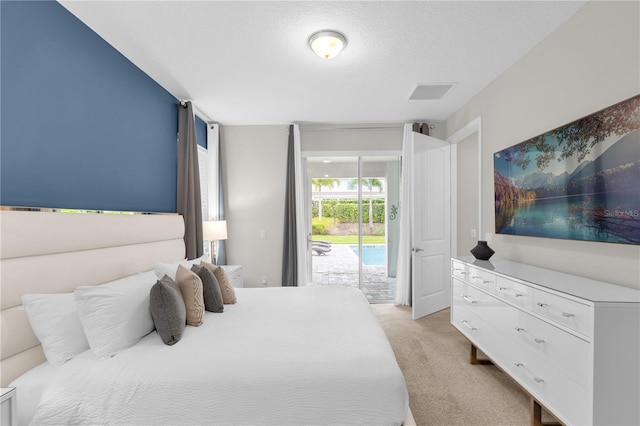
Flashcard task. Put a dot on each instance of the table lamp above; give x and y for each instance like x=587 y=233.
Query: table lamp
x=213 y=231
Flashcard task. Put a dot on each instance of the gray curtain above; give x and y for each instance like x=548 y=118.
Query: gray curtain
x=421 y=128
x=221 y=250
x=289 y=255
x=189 y=203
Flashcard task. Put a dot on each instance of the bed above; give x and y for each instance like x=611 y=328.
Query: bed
x=285 y=356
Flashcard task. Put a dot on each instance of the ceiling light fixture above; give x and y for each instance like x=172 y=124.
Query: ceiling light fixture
x=327 y=43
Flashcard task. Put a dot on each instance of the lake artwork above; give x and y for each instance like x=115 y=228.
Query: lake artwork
x=580 y=181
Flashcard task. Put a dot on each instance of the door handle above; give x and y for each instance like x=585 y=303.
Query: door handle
x=416 y=250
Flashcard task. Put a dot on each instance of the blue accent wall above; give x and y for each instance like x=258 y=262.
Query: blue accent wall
x=82 y=126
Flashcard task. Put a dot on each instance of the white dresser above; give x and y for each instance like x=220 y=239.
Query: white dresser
x=571 y=342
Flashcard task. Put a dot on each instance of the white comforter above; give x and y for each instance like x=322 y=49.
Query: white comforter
x=296 y=356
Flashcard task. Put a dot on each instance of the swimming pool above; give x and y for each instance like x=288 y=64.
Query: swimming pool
x=374 y=254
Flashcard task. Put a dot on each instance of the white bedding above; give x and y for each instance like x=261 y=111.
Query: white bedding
x=31 y=385
x=310 y=355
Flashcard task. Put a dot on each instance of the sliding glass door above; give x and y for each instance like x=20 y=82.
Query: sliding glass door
x=354 y=226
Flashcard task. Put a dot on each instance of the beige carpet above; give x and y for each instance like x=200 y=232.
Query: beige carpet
x=444 y=389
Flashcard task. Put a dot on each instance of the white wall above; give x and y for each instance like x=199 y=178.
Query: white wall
x=590 y=63
x=467 y=190
x=318 y=138
x=254 y=162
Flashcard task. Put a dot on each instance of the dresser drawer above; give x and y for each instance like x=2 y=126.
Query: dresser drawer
x=515 y=292
x=551 y=387
x=568 y=353
x=575 y=315
x=459 y=270
x=482 y=279
x=470 y=297
x=475 y=329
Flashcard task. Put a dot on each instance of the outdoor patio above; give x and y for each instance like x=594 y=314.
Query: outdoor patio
x=339 y=267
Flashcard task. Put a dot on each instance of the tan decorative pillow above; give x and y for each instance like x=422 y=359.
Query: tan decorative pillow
x=228 y=293
x=191 y=288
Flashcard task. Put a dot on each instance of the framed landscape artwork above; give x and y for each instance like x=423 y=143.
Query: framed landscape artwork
x=580 y=181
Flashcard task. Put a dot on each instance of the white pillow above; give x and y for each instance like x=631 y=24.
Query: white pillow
x=55 y=322
x=170 y=269
x=117 y=314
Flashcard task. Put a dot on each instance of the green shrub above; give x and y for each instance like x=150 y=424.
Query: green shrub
x=346 y=211
x=318 y=229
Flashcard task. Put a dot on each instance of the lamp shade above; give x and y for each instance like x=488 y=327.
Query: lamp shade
x=214 y=230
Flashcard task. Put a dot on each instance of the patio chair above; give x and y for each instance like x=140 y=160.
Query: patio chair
x=321 y=247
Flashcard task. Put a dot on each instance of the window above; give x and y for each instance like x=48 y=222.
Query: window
x=203 y=163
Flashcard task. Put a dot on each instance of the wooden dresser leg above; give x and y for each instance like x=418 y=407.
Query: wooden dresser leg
x=536 y=415
x=536 y=412
x=473 y=359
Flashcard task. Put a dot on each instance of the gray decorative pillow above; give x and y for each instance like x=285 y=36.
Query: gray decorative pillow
x=210 y=289
x=168 y=310
x=228 y=293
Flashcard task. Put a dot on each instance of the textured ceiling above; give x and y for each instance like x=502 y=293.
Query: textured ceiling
x=249 y=63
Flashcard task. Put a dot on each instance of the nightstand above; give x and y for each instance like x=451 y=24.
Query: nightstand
x=8 y=407
x=235 y=274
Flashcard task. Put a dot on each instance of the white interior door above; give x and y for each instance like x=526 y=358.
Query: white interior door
x=431 y=224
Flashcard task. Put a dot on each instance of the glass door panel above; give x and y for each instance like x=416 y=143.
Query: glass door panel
x=380 y=193
x=334 y=227
x=354 y=223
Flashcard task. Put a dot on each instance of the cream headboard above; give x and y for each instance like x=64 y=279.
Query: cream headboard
x=53 y=252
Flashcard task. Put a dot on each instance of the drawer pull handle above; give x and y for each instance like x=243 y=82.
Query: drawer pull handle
x=564 y=314
x=516 y=294
x=468 y=299
x=469 y=326
x=478 y=277
x=535 y=339
x=535 y=379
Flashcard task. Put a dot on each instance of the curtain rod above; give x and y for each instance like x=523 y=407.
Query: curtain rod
x=197 y=111
x=326 y=126
x=347 y=127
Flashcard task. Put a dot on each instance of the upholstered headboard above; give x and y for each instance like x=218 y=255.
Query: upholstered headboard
x=54 y=252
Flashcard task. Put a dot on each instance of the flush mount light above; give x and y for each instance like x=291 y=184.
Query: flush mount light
x=327 y=43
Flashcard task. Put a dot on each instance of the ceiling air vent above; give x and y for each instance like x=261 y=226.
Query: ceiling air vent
x=430 y=91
